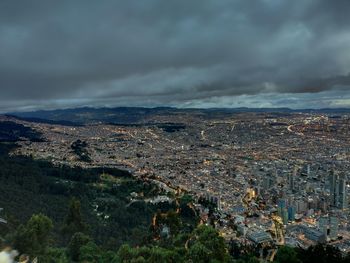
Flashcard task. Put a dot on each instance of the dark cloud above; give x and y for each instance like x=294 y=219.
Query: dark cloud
x=68 y=53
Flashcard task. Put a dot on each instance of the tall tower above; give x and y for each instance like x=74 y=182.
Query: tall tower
x=342 y=199
x=333 y=188
x=333 y=233
x=323 y=225
x=308 y=170
x=291 y=179
x=338 y=191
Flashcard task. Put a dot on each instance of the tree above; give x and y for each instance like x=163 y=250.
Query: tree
x=125 y=253
x=77 y=241
x=173 y=221
x=152 y=254
x=185 y=208
x=320 y=253
x=73 y=222
x=54 y=255
x=199 y=253
x=287 y=254
x=33 y=238
x=207 y=245
x=91 y=253
x=248 y=259
x=162 y=255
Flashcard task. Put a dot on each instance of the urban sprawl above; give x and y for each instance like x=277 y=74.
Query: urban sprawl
x=273 y=179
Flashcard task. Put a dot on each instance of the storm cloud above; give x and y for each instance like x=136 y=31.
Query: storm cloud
x=208 y=53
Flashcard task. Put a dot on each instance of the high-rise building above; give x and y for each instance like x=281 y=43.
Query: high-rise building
x=333 y=227
x=281 y=205
x=301 y=206
x=323 y=225
x=291 y=179
x=267 y=182
x=338 y=191
x=308 y=170
x=323 y=204
x=285 y=216
x=333 y=188
x=342 y=199
x=291 y=213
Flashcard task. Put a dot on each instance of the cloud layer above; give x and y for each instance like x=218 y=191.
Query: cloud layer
x=181 y=53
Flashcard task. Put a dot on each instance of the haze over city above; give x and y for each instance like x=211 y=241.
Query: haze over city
x=59 y=54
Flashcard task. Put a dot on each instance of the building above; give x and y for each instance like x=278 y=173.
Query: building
x=342 y=199
x=242 y=229
x=267 y=182
x=260 y=237
x=281 y=206
x=216 y=201
x=314 y=235
x=291 y=179
x=338 y=192
x=291 y=213
x=285 y=216
x=333 y=227
x=301 y=206
x=323 y=225
x=333 y=189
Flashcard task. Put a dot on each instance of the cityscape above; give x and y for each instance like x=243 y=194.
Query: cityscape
x=275 y=179
x=202 y=131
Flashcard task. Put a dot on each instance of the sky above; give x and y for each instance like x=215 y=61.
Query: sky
x=198 y=53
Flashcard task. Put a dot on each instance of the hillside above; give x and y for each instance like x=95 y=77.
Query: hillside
x=133 y=115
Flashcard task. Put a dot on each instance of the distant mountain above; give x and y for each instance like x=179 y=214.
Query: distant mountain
x=78 y=116
x=48 y=121
x=140 y=115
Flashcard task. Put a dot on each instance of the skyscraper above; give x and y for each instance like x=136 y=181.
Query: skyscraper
x=323 y=225
x=282 y=203
x=333 y=188
x=285 y=216
x=291 y=179
x=342 y=199
x=333 y=222
x=291 y=213
x=338 y=191
x=308 y=170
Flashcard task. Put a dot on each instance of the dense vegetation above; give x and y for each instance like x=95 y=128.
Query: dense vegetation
x=320 y=253
x=202 y=245
x=171 y=127
x=29 y=187
x=79 y=148
x=33 y=238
